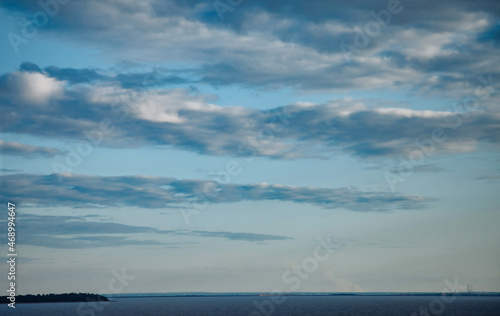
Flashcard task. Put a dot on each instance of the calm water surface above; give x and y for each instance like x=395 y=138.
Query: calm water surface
x=292 y=305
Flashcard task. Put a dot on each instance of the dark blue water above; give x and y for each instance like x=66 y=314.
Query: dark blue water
x=291 y=306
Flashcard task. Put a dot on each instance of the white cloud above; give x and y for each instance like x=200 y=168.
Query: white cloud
x=413 y=113
x=35 y=88
x=165 y=106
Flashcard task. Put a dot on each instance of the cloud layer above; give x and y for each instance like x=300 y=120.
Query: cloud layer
x=114 y=116
x=422 y=46
x=74 y=232
x=155 y=192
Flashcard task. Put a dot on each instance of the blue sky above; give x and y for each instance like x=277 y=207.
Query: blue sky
x=209 y=150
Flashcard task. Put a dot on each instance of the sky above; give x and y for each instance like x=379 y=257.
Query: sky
x=251 y=146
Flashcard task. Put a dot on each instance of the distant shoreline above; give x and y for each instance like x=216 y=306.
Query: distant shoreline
x=140 y=295
x=55 y=298
x=88 y=297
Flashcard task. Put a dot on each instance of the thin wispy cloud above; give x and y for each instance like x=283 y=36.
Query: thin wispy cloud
x=76 y=232
x=490 y=177
x=10 y=170
x=427 y=168
x=28 y=151
x=157 y=192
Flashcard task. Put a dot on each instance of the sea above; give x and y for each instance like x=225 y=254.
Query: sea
x=270 y=306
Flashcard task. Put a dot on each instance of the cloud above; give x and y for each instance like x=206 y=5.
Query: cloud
x=24 y=150
x=187 y=120
x=72 y=232
x=10 y=170
x=430 y=168
x=128 y=78
x=240 y=236
x=155 y=192
x=33 y=88
x=75 y=232
x=165 y=107
x=426 y=47
x=489 y=177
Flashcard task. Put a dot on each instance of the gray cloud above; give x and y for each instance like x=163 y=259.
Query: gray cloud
x=430 y=168
x=10 y=170
x=74 y=232
x=24 y=150
x=155 y=192
x=241 y=236
x=134 y=79
x=489 y=177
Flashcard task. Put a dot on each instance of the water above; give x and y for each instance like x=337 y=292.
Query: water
x=292 y=306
